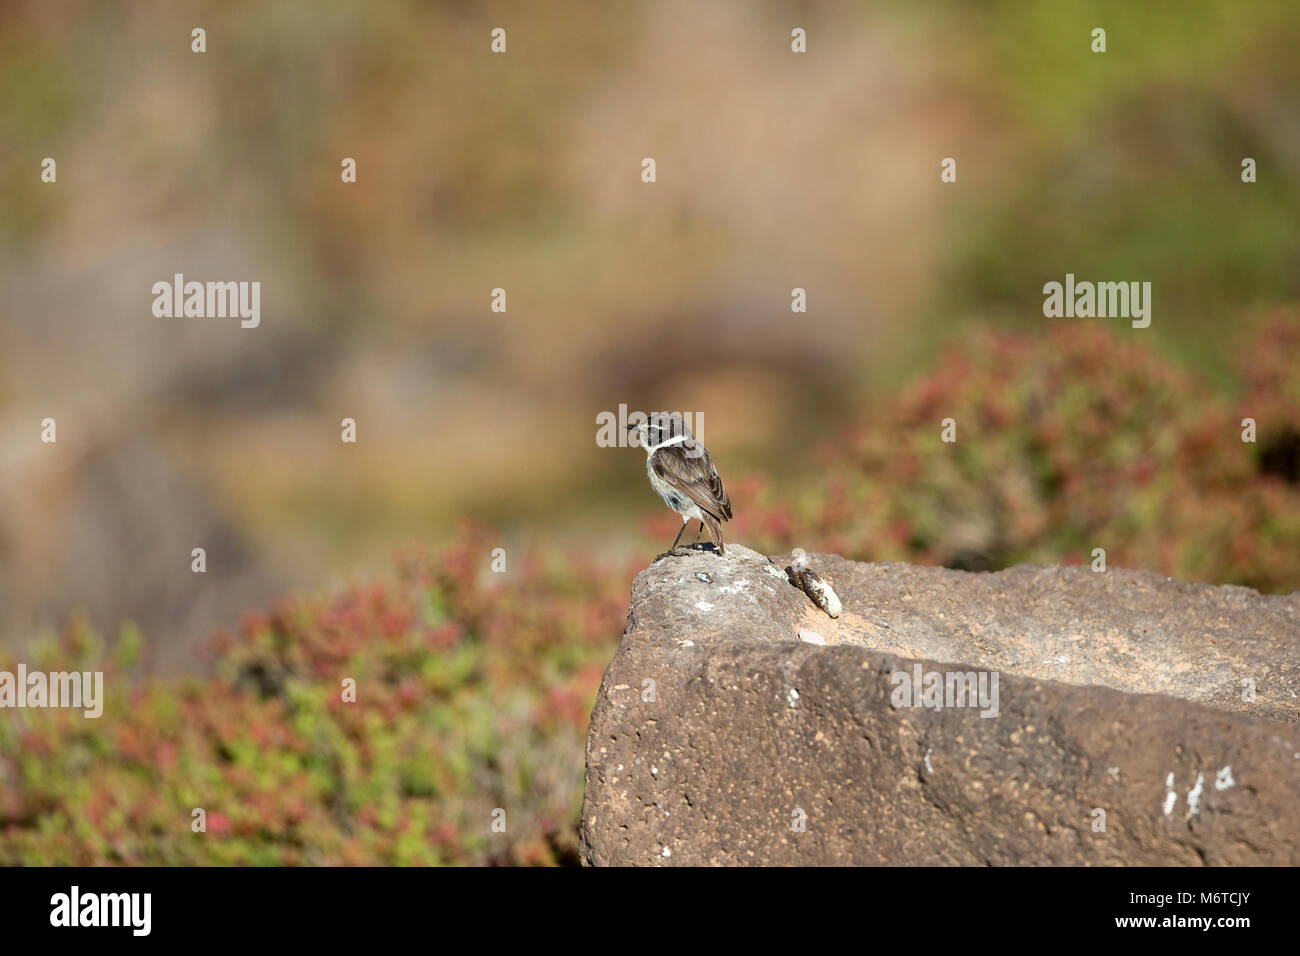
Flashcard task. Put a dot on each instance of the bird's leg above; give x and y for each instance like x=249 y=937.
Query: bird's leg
x=697 y=535
x=673 y=549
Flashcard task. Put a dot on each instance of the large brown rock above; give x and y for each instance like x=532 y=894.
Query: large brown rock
x=1120 y=697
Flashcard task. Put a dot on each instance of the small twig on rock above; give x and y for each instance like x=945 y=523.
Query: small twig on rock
x=811 y=583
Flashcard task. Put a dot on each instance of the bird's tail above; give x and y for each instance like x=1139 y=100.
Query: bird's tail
x=715 y=531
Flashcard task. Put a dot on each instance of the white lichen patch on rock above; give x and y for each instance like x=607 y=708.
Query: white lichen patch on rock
x=771 y=570
x=740 y=586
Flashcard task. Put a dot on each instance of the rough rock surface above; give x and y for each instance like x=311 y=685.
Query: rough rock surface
x=721 y=737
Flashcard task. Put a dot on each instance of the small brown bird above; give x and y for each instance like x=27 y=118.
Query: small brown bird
x=683 y=475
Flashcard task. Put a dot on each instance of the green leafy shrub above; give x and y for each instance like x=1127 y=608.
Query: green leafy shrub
x=1066 y=442
x=473 y=693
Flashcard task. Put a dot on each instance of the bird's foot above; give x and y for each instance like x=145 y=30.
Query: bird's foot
x=680 y=552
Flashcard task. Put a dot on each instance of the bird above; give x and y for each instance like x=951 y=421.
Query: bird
x=683 y=475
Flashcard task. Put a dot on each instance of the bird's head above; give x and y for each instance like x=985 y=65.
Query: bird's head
x=659 y=427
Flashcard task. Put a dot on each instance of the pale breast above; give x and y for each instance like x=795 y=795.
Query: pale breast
x=673 y=498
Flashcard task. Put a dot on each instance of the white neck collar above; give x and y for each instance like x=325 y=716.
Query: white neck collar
x=675 y=440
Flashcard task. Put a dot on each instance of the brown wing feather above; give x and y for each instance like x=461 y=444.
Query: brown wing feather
x=694 y=475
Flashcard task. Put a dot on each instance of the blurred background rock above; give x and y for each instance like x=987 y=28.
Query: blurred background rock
x=522 y=171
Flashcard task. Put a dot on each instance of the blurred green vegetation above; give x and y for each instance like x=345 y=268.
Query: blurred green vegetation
x=473 y=692
x=1077 y=440
x=522 y=171
x=474 y=688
